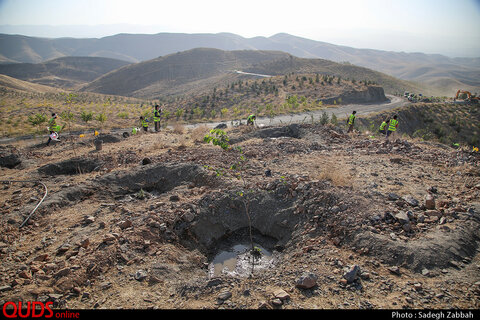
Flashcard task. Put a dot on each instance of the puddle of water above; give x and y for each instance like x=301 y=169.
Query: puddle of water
x=238 y=261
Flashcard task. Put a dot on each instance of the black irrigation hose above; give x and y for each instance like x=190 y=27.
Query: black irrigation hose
x=38 y=204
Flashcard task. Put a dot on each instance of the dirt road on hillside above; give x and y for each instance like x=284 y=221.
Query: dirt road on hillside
x=341 y=112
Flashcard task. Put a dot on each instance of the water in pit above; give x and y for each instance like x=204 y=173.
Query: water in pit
x=238 y=261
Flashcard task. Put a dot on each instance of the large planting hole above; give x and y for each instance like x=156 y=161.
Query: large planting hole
x=234 y=255
x=71 y=167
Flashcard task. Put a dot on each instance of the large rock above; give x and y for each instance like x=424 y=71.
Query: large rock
x=306 y=281
x=352 y=274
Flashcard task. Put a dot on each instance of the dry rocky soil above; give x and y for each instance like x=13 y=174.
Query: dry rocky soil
x=347 y=221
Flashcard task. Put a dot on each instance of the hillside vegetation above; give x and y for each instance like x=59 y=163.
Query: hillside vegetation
x=447 y=123
x=235 y=100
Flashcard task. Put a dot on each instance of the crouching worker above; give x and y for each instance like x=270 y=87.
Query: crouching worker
x=53 y=128
x=383 y=127
x=144 y=123
x=251 y=119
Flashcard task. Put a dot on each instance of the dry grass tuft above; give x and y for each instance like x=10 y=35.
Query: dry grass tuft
x=337 y=176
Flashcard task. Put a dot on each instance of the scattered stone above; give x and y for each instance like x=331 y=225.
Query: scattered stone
x=281 y=294
x=411 y=201
x=277 y=302
x=63 y=248
x=124 y=224
x=62 y=272
x=109 y=237
x=395 y=270
x=42 y=257
x=84 y=243
x=352 y=274
x=224 y=295
x=306 y=281
x=24 y=274
x=432 y=189
x=429 y=202
x=393 y=196
x=89 y=219
x=105 y=285
x=402 y=217
x=140 y=275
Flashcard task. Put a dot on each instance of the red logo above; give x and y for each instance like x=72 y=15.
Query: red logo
x=34 y=309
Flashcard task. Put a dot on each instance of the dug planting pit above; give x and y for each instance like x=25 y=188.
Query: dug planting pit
x=236 y=244
x=71 y=167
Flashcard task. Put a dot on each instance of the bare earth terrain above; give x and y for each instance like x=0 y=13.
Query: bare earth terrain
x=346 y=221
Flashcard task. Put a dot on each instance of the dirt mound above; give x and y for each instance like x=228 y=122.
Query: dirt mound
x=442 y=248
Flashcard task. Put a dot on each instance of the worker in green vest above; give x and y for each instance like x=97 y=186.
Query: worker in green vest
x=383 y=127
x=157 y=117
x=392 y=126
x=144 y=123
x=251 y=119
x=351 y=121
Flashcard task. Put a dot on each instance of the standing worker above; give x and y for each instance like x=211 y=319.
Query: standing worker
x=392 y=126
x=351 y=121
x=156 y=117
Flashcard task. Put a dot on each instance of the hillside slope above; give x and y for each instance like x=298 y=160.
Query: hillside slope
x=16 y=84
x=206 y=68
x=442 y=122
x=65 y=72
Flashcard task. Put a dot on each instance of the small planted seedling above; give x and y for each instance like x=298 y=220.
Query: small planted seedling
x=256 y=252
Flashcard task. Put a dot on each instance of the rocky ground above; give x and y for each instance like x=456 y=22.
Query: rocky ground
x=352 y=222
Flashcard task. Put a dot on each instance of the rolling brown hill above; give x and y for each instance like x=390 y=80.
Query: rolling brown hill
x=65 y=72
x=201 y=69
x=16 y=84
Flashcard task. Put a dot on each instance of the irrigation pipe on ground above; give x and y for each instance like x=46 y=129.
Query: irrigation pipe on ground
x=38 y=204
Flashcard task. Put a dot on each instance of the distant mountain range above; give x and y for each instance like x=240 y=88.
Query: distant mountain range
x=442 y=74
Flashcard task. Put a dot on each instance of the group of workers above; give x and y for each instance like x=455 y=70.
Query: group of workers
x=157 y=115
x=387 y=127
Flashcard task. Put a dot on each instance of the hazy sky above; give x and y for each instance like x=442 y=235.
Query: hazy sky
x=450 y=27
